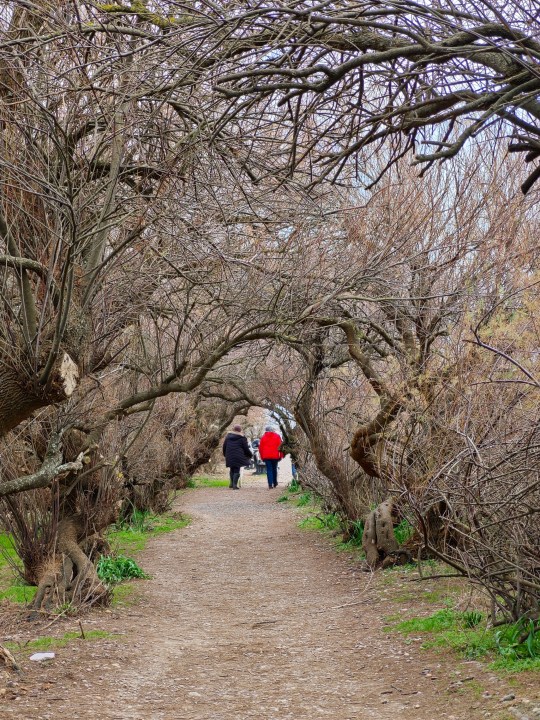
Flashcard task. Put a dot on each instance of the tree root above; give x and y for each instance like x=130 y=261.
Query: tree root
x=71 y=576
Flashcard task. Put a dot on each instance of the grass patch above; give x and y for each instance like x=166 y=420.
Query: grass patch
x=7 y=551
x=322 y=522
x=124 y=594
x=12 y=587
x=50 y=643
x=19 y=593
x=132 y=536
x=203 y=481
x=466 y=633
x=305 y=499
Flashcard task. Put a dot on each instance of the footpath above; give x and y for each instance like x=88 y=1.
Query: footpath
x=248 y=616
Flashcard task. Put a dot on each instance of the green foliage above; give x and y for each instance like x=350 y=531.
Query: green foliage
x=355 y=532
x=323 y=521
x=113 y=569
x=7 y=551
x=138 y=521
x=472 y=618
x=292 y=489
x=519 y=641
x=12 y=587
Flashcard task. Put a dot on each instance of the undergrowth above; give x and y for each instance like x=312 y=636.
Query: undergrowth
x=131 y=535
x=352 y=530
x=512 y=648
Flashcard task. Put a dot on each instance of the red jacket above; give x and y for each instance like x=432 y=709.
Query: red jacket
x=269 y=446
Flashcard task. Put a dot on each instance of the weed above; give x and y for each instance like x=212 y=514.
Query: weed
x=294 y=486
x=356 y=532
x=403 y=532
x=113 y=569
x=519 y=641
x=304 y=499
x=472 y=618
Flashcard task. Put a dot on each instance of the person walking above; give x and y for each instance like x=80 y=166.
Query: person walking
x=237 y=454
x=271 y=454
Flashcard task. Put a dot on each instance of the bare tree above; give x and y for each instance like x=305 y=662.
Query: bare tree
x=347 y=76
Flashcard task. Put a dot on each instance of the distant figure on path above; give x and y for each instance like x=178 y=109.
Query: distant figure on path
x=271 y=454
x=237 y=454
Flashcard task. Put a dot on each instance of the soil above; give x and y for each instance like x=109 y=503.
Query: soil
x=248 y=616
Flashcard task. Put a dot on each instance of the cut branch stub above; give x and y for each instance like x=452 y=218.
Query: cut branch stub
x=21 y=395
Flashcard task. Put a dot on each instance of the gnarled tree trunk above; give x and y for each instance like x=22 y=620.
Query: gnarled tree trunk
x=71 y=576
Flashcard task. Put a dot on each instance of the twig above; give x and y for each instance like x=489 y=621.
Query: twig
x=264 y=622
x=82 y=631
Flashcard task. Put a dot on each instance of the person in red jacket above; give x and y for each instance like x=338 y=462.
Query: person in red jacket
x=271 y=454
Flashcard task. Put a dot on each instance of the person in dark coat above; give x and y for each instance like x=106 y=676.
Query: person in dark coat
x=237 y=454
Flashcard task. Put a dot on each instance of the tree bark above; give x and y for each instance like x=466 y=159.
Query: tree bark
x=378 y=540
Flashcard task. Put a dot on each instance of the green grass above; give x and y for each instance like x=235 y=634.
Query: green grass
x=466 y=633
x=19 y=593
x=403 y=531
x=132 y=537
x=6 y=549
x=202 y=481
x=50 y=643
x=12 y=587
x=125 y=595
x=322 y=521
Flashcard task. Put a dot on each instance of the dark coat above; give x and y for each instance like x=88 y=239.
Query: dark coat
x=236 y=450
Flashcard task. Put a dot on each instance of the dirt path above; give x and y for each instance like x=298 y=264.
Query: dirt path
x=249 y=617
